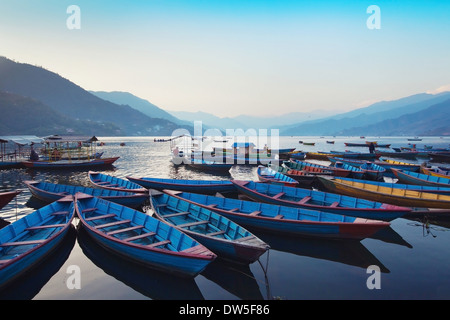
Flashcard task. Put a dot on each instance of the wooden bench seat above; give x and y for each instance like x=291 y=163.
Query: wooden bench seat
x=305 y=200
x=103 y=216
x=21 y=243
x=170 y=215
x=191 y=224
x=60 y=213
x=115 y=223
x=279 y=195
x=216 y=233
x=160 y=243
x=140 y=236
x=124 y=230
x=47 y=226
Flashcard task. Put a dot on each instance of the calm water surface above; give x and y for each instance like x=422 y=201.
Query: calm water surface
x=413 y=256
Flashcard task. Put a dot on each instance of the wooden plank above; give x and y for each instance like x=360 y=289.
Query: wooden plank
x=170 y=215
x=254 y=213
x=198 y=249
x=304 y=200
x=215 y=233
x=196 y=223
x=115 y=223
x=140 y=236
x=57 y=213
x=47 y=226
x=160 y=243
x=21 y=243
x=279 y=195
x=103 y=216
x=124 y=230
x=334 y=204
x=88 y=210
x=279 y=216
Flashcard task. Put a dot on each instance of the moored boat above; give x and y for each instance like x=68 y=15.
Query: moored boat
x=396 y=196
x=286 y=220
x=316 y=168
x=397 y=185
x=70 y=165
x=206 y=165
x=373 y=170
x=141 y=238
x=222 y=236
x=201 y=186
x=440 y=157
x=49 y=192
x=318 y=200
x=437 y=172
x=6 y=197
x=266 y=174
x=27 y=241
x=409 y=177
x=105 y=181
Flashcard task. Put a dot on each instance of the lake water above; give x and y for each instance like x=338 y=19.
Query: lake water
x=413 y=256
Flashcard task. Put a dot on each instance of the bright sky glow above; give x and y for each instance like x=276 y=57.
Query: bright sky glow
x=230 y=57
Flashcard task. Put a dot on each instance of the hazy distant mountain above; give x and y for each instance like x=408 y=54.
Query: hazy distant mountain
x=432 y=121
x=208 y=120
x=250 y=122
x=364 y=117
x=142 y=105
x=20 y=115
x=73 y=101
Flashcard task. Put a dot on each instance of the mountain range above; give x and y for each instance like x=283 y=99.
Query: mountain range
x=36 y=101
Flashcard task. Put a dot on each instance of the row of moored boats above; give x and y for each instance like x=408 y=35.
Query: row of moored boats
x=189 y=223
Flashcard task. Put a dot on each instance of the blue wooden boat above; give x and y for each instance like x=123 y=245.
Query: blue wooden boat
x=314 y=168
x=27 y=241
x=198 y=186
x=49 y=192
x=266 y=174
x=396 y=196
x=443 y=157
x=355 y=172
x=6 y=197
x=370 y=169
x=207 y=165
x=69 y=164
x=373 y=170
x=105 y=181
x=219 y=234
x=318 y=200
x=412 y=187
x=285 y=220
x=388 y=164
x=141 y=238
x=409 y=177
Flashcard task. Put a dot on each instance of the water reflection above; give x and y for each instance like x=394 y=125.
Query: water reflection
x=348 y=252
x=151 y=283
x=29 y=285
x=237 y=279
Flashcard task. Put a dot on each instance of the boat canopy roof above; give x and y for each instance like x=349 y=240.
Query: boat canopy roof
x=58 y=138
x=21 y=140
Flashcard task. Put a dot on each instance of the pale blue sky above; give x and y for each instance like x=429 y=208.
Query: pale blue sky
x=237 y=57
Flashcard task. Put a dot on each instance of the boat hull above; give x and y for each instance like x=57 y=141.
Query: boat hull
x=46 y=235
x=49 y=192
x=219 y=234
x=70 y=165
x=146 y=245
x=286 y=220
x=400 y=197
x=357 y=207
x=200 y=186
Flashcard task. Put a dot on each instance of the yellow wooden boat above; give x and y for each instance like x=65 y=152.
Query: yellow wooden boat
x=431 y=172
x=396 y=196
